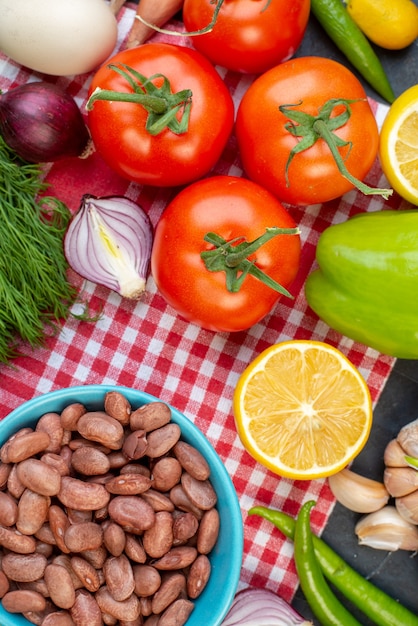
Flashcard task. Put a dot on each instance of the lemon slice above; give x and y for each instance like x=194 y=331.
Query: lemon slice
x=398 y=148
x=302 y=409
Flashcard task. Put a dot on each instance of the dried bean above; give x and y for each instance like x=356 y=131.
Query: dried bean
x=166 y=473
x=177 y=613
x=119 y=577
x=100 y=427
x=176 y=558
x=132 y=513
x=23 y=567
x=117 y=406
x=135 y=445
x=11 y=539
x=50 y=423
x=21 y=601
x=158 y=501
x=160 y=441
x=90 y=461
x=60 y=586
x=58 y=618
x=26 y=445
x=158 y=539
x=71 y=414
x=208 y=532
x=39 y=477
x=8 y=509
x=200 y=492
x=171 y=587
x=198 y=576
x=150 y=416
x=125 y=610
x=85 y=610
x=185 y=527
x=83 y=536
x=85 y=571
x=58 y=523
x=192 y=460
x=128 y=484
x=32 y=512
x=114 y=538
x=147 y=580
x=80 y=495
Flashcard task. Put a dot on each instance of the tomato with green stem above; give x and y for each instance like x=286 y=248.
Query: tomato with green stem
x=224 y=252
x=160 y=114
x=247 y=35
x=307 y=133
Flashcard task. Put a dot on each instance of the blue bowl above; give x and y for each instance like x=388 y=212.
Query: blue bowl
x=226 y=557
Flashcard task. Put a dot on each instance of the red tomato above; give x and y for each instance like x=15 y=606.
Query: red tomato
x=249 y=35
x=230 y=207
x=265 y=144
x=167 y=159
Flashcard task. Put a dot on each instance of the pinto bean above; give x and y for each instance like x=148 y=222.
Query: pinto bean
x=128 y=609
x=177 y=613
x=50 y=423
x=200 y=492
x=158 y=501
x=134 y=549
x=119 y=577
x=198 y=576
x=8 y=509
x=132 y=513
x=114 y=538
x=185 y=526
x=208 y=532
x=22 y=601
x=176 y=558
x=192 y=460
x=85 y=571
x=158 y=539
x=166 y=473
x=11 y=539
x=4 y=584
x=60 y=586
x=58 y=618
x=83 y=496
x=27 y=445
x=71 y=414
x=58 y=522
x=39 y=477
x=147 y=580
x=83 y=536
x=128 y=484
x=170 y=589
x=90 y=461
x=100 y=427
x=160 y=441
x=135 y=445
x=57 y=461
x=23 y=567
x=4 y=450
x=85 y=610
x=117 y=406
x=32 y=512
x=150 y=416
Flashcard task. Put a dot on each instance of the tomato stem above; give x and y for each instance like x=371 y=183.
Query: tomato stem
x=232 y=258
x=161 y=103
x=310 y=128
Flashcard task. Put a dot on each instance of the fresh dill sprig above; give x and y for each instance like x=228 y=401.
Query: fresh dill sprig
x=35 y=295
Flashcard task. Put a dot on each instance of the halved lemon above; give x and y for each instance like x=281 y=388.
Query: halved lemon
x=302 y=409
x=398 y=147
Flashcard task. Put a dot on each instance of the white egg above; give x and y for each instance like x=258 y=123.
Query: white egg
x=58 y=37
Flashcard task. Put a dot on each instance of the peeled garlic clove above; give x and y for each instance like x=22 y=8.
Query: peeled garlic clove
x=386 y=529
x=394 y=455
x=407 y=507
x=399 y=481
x=358 y=493
x=408 y=438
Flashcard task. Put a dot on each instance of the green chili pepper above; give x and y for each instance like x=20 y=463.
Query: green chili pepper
x=367 y=282
x=347 y=36
x=372 y=601
x=324 y=604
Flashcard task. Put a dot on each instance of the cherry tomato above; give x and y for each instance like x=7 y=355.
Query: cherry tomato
x=249 y=35
x=265 y=144
x=229 y=207
x=166 y=159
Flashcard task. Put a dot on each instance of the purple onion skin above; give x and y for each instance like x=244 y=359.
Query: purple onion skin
x=41 y=123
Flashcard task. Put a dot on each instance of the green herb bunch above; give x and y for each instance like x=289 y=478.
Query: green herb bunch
x=35 y=295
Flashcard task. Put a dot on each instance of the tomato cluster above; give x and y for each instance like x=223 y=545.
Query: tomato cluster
x=160 y=114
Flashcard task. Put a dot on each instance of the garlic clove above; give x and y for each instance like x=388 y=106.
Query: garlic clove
x=394 y=455
x=386 y=529
x=408 y=438
x=358 y=493
x=407 y=507
x=399 y=481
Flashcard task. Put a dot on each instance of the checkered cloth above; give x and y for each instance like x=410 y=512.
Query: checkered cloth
x=147 y=346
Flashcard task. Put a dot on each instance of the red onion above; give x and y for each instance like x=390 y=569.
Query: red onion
x=41 y=122
x=261 y=607
x=109 y=242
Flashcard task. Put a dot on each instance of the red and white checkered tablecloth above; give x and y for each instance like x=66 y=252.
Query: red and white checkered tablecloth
x=147 y=346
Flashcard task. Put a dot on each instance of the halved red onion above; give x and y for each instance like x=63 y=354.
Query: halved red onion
x=261 y=607
x=109 y=242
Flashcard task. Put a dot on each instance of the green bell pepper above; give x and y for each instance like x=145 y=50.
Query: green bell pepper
x=366 y=287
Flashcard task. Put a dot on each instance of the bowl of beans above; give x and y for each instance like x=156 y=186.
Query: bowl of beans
x=115 y=509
